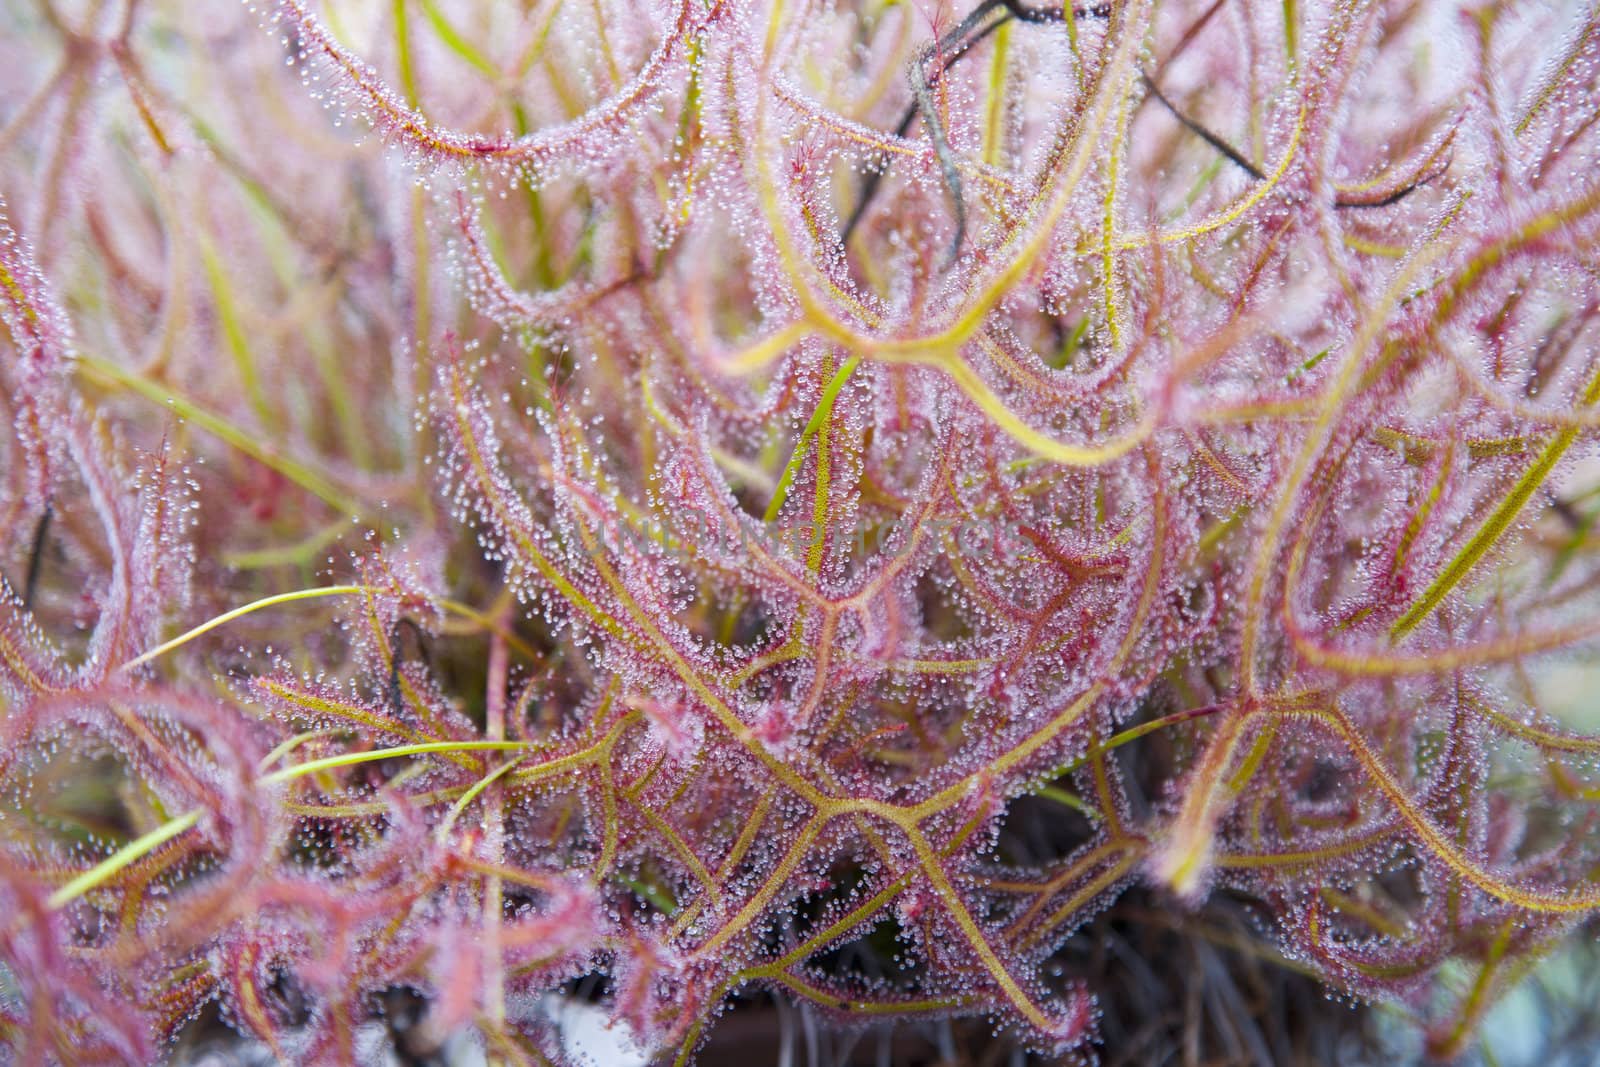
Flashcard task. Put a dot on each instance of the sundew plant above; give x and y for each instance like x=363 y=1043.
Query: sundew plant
x=662 y=490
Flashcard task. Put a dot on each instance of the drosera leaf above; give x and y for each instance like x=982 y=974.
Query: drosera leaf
x=1494 y=527
x=638 y=734
x=433 y=145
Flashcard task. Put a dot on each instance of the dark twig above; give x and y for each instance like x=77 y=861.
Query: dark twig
x=950 y=48
x=1393 y=198
x=1201 y=132
x=1569 y=515
x=1238 y=159
x=36 y=556
x=1039 y=15
x=396 y=650
x=922 y=93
